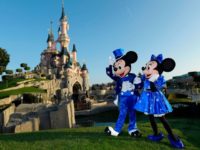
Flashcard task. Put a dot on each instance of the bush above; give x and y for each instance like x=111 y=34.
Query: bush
x=181 y=96
x=23 y=65
x=7 y=77
x=8 y=71
x=171 y=96
x=29 y=98
x=18 y=70
x=42 y=75
x=27 y=68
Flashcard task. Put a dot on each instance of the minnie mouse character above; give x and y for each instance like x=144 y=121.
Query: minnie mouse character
x=126 y=89
x=152 y=101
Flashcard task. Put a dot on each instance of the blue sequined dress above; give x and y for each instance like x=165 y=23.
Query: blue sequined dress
x=154 y=103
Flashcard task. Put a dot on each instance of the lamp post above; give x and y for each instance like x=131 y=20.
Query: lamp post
x=38 y=98
x=55 y=98
x=65 y=96
x=21 y=99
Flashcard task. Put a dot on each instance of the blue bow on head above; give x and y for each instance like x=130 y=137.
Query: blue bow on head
x=159 y=58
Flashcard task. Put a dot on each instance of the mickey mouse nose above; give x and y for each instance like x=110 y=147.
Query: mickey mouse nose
x=115 y=69
x=143 y=68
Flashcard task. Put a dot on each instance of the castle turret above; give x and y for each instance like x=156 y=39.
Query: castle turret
x=64 y=27
x=68 y=65
x=85 y=77
x=74 y=54
x=84 y=68
x=64 y=55
x=50 y=39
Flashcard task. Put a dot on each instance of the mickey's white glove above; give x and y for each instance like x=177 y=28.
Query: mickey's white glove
x=111 y=60
x=116 y=101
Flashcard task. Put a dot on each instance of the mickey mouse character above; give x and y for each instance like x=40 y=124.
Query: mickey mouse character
x=126 y=89
x=153 y=102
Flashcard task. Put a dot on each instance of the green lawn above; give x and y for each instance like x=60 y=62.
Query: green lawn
x=93 y=138
x=13 y=82
x=10 y=83
x=21 y=91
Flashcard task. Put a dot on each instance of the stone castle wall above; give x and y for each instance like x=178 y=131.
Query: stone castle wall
x=5 y=116
x=34 y=117
x=64 y=117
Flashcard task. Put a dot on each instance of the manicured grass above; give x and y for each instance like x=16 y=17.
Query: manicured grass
x=13 y=82
x=10 y=83
x=93 y=138
x=21 y=91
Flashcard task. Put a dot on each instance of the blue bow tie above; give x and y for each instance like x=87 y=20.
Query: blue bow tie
x=159 y=58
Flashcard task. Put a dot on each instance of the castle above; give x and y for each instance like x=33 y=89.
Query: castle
x=63 y=64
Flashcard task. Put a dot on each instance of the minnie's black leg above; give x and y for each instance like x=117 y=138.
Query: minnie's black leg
x=153 y=124
x=167 y=127
x=174 y=140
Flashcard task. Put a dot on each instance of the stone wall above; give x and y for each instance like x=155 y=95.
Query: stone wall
x=51 y=86
x=8 y=100
x=5 y=115
x=44 y=116
x=28 y=126
x=64 y=117
x=105 y=95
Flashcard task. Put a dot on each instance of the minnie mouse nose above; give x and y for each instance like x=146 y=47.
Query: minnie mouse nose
x=143 y=68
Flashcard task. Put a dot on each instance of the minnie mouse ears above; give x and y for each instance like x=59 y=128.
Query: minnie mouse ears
x=168 y=64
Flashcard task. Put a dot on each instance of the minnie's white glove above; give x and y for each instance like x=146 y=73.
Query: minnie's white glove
x=154 y=78
x=137 y=80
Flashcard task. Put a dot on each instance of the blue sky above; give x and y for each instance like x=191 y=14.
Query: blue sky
x=97 y=27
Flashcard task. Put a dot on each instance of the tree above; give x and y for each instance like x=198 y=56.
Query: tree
x=10 y=72
x=7 y=77
x=23 y=65
x=27 y=68
x=19 y=70
x=4 y=60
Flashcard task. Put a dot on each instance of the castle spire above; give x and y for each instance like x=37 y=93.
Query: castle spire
x=63 y=17
x=51 y=30
x=63 y=29
x=84 y=67
x=50 y=34
x=74 y=48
